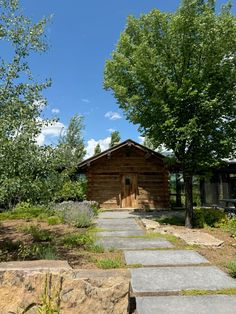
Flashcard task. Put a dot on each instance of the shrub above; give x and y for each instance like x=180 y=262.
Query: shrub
x=207 y=216
x=37 y=251
x=77 y=240
x=25 y=210
x=78 y=214
x=54 y=220
x=72 y=190
x=229 y=225
x=232 y=268
x=39 y=235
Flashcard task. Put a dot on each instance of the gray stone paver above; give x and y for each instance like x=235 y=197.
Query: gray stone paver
x=165 y=257
x=163 y=278
x=172 y=279
x=117 y=214
x=123 y=233
x=213 y=304
x=133 y=243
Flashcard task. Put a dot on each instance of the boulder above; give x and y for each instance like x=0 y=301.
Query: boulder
x=23 y=291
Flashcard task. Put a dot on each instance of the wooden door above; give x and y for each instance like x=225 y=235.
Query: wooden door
x=129 y=191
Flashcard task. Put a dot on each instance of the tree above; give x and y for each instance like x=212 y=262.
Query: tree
x=148 y=143
x=97 y=150
x=71 y=149
x=115 y=138
x=174 y=74
x=21 y=169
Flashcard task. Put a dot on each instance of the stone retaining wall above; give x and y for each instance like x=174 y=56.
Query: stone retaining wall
x=97 y=292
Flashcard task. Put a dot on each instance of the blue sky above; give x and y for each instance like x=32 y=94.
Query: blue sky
x=82 y=35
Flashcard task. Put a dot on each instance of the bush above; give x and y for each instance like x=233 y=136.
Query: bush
x=72 y=191
x=232 y=268
x=54 y=220
x=229 y=225
x=25 y=210
x=207 y=217
x=39 y=235
x=77 y=214
x=37 y=251
x=77 y=240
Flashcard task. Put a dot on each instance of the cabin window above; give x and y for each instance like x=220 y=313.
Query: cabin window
x=127 y=181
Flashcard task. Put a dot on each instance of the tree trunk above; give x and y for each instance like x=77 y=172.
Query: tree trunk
x=188 y=184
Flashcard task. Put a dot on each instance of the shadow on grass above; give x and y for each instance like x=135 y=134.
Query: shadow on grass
x=177 y=220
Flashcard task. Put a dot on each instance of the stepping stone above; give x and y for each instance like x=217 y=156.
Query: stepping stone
x=212 y=304
x=169 y=279
x=164 y=258
x=117 y=214
x=114 y=227
x=134 y=243
x=35 y=265
x=117 y=221
x=127 y=233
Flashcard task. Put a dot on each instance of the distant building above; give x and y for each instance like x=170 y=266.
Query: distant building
x=127 y=175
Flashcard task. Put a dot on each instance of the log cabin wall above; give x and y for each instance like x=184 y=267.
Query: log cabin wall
x=128 y=177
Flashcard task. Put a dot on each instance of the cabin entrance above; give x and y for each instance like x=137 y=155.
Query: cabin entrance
x=129 y=190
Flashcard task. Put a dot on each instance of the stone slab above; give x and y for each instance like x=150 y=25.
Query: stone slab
x=213 y=304
x=117 y=214
x=160 y=258
x=115 y=227
x=126 y=233
x=169 y=279
x=118 y=221
x=54 y=265
x=134 y=243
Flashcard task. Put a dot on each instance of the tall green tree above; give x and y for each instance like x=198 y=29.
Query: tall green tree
x=174 y=74
x=71 y=149
x=97 y=149
x=21 y=103
x=115 y=138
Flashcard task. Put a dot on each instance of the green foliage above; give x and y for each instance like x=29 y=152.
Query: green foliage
x=54 y=220
x=25 y=210
x=226 y=291
x=109 y=263
x=115 y=138
x=177 y=220
x=207 y=217
x=175 y=78
x=232 y=268
x=38 y=234
x=95 y=248
x=72 y=190
x=50 y=299
x=78 y=240
x=97 y=149
x=229 y=225
x=71 y=150
x=36 y=251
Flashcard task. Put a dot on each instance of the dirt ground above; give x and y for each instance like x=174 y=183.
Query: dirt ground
x=11 y=232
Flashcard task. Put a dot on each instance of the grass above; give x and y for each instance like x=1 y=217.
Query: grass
x=109 y=263
x=229 y=291
x=95 y=248
x=77 y=240
x=39 y=235
x=232 y=268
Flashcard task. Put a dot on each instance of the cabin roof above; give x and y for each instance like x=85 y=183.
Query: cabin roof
x=128 y=143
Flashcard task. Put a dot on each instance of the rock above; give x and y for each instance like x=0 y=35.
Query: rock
x=22 y=290
x=150 y=224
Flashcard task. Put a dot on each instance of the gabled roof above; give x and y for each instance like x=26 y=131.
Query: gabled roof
x=128 y=143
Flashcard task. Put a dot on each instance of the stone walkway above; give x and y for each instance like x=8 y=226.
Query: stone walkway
x=163 y=271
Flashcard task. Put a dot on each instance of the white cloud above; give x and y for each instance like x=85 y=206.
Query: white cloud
x=49 y=132
x=141 y=139
x=85 y=100
x=92 y=143
x=112 y=115
x=41 y=103
x=110 y=130
x=55 y=110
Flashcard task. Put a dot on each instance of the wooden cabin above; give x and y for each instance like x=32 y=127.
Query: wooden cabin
x=127 y=175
